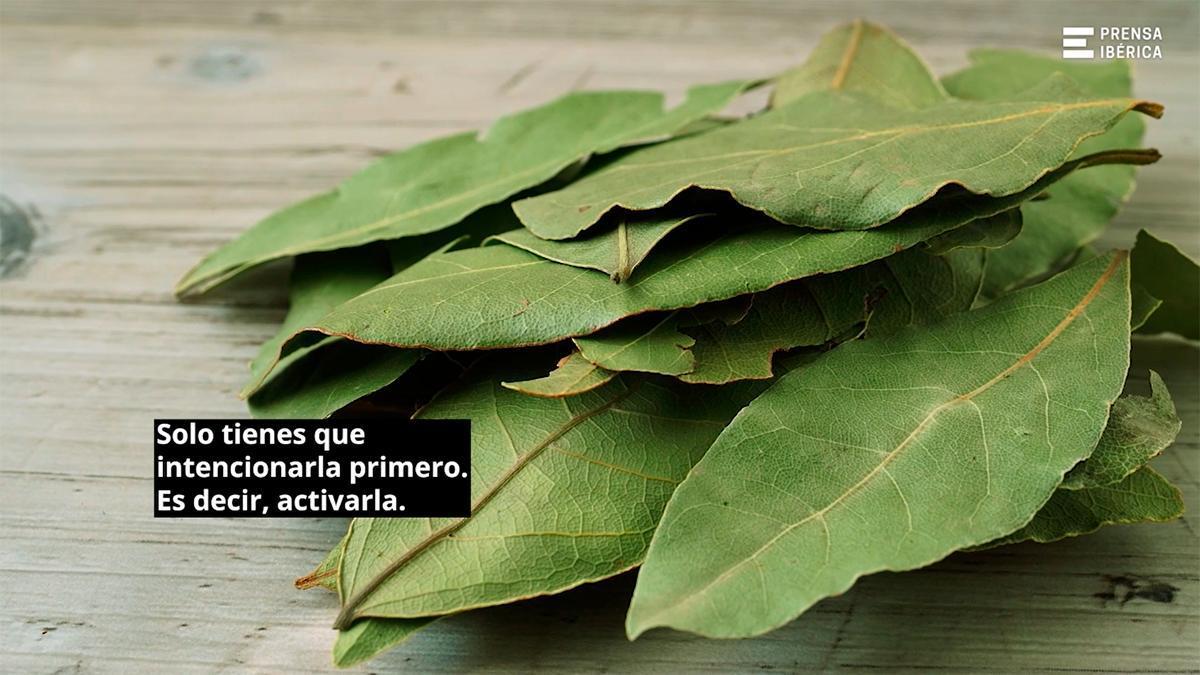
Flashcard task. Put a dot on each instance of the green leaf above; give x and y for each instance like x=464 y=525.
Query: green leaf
x=1143 y=496
x=564 y=491
x=918 y=288
x=367 y=638
x=319 y=282
x=1139 y=429
x=1164 y=272
x=991 y=232
x=572 y=376
x=436 y=184
x=889 y=454
x=1080 y=207
x=781 y=318
x=650 y=344
x=321 y=383
x=326 y=573
x=500 y=296
x=322 y=281
x=843 y=161
x=863 y=56
x=907 y=288
x=616 y=252
x=1144 y=305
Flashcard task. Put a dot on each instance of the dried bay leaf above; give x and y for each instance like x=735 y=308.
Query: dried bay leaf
x=616 y=252
x=1143 y=496
x=1139 y=429
x=909 y=288
x=1163 y=271
x=1078 y=208
x=572 y=376
x=841 y=160
x=564 y=491
x=862 y=56
x=436 y=184
x=499 y=296
x=648 y=344
x=322 y=281
x=367 y=638
x=319 y=282
x=870 y=59
x=890 y=454
x=992 y=232
x=319 y=384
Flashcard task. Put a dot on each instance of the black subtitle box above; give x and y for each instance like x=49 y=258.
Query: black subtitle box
x=312 y=468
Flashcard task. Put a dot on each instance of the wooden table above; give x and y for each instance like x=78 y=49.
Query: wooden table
x=137 y=136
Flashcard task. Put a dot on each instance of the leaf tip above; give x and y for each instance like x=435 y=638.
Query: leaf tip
x=1150 y=108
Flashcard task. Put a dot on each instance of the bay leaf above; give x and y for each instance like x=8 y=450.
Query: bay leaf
x=319 y=282
x=500 y=296
x=436 y=184
x=320 y=384
x=564 y=491
x=909 y=288
x=325 y=575
x=649 y=344
x=572 y=376
x=616 y=252
x=322 y=281
x=1139 y=429
x=1078 y=208
x=841 y=160
x=890 y=454
x=1143 y=496
x=1164 y=272
x=863 y=56
x=729 y=311
x=781 y=318
x=992 y=232
x=366 y=639
x=870 y=59
x=1144 y=305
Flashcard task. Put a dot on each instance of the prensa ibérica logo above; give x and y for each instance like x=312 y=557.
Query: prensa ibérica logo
x=1112 y=42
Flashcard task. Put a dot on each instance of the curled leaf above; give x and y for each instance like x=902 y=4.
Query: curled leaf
x=844 y=161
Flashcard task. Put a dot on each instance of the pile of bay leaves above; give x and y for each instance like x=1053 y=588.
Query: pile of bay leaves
x=761 y=357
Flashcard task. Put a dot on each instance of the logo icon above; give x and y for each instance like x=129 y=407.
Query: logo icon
x=1075 y=37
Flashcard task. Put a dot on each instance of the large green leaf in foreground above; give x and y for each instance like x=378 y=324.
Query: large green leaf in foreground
x=842 y=160
x=1077 y=209
x=438 y=183
x=890 y=454
x=564 y=491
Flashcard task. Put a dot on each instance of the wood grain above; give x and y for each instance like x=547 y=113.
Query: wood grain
x=138 y=135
